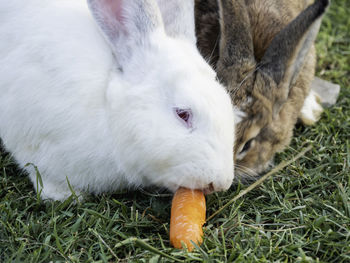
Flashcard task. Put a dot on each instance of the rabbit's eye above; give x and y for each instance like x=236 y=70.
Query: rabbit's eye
x=185 y=115
x=247 y=146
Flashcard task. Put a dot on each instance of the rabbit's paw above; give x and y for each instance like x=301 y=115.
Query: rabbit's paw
x=56 y=192
x=312 y=109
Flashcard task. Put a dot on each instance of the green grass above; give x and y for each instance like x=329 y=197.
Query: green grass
x=302 y=214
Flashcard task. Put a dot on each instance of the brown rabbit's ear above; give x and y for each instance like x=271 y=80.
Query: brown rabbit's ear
x=286 y=54
x=236 y=42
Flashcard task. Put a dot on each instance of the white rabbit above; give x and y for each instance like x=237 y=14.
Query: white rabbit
x=99 y=95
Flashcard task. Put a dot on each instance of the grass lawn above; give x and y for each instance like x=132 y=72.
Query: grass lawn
x=301 y=214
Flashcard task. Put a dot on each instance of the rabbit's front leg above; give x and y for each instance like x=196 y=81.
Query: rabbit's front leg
x=311 y=110
x=53 y=190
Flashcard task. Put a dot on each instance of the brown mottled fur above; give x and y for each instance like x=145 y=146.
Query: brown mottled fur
x=257 y=55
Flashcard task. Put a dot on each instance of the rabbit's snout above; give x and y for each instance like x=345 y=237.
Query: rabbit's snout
x=209 y=189
x=212 y=188
x=216 y=187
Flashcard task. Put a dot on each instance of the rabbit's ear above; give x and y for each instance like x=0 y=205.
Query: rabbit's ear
x=127 y=24
x=286 y=54
x=236 y=42
x=178 y=17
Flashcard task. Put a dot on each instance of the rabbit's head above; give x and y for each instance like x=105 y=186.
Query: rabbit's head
x=265 y=88
x=173 y=122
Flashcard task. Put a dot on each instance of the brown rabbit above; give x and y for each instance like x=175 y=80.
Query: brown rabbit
x=263 y=51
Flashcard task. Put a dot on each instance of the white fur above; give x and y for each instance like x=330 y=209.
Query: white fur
x=178 y=17
x=311 y=110
x=239 y=115
x=98 y=110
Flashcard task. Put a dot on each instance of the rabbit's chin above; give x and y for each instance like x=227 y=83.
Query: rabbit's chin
x=246 y=174
x=209 y=189
x=208 y=183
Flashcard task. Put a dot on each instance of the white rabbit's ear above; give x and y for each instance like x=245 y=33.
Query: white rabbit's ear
x=178 y=17
x=127 y=24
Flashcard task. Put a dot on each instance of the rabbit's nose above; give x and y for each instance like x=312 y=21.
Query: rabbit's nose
x=209 y=189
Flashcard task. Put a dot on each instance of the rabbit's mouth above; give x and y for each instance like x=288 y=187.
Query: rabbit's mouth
x=209 y=189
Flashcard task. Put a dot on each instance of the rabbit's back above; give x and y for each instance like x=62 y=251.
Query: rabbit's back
x=53 y=58
x=54 y=43
x=268 y=17
x=54 y=68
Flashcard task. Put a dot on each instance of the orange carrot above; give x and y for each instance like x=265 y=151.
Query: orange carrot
x=187 y=218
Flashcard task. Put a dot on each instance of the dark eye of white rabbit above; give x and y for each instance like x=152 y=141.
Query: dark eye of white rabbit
x=185 y=116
